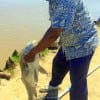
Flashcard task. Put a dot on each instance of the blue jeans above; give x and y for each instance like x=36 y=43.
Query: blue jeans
x=78 y=69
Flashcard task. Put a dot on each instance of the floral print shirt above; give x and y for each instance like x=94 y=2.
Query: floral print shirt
x=79 y=36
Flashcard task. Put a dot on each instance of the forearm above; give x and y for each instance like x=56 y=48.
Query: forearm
x=50 y=36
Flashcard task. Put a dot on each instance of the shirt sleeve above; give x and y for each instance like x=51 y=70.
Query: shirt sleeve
x=63 y=15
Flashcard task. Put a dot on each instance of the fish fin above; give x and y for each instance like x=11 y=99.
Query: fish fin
x=42 y=70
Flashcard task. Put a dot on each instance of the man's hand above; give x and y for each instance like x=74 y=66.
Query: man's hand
x=29 y=57
x=51 y=35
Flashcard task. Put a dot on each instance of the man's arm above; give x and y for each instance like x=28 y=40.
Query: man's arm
x=51 y=35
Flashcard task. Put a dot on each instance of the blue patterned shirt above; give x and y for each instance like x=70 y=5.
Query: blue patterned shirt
x=79 y=36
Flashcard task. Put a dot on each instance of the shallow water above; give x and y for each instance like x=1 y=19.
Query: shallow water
x=20 y=22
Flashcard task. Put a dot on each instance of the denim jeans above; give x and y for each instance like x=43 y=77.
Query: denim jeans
x=78 y=69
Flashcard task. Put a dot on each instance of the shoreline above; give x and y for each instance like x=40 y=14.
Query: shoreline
x=9 y=43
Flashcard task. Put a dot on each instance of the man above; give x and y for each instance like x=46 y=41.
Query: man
x=78 y=40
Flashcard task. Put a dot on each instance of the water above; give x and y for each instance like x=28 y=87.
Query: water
x=20 y=22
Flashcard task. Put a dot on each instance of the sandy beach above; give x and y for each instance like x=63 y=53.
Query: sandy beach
x=15 y=90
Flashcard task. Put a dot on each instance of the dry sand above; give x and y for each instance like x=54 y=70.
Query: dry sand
x=15 y=90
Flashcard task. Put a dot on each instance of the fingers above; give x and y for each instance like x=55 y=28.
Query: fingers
x=29 y=58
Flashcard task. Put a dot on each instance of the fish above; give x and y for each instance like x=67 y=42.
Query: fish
x=30 y=72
